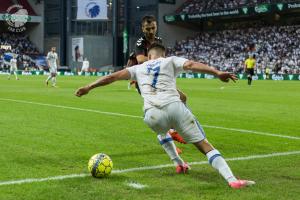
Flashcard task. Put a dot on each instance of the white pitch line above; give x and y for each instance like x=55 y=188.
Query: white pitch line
x=139 y=117
x=136 y=185
x=71 y=108
x=253 y=132
x=33 y=180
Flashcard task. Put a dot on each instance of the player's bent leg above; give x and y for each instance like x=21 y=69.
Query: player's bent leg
x=176 y=136
x=216 y=160
x=157 y=120
x=16 y=75
x=204 y=146
x=168 y=145
x=53 y=79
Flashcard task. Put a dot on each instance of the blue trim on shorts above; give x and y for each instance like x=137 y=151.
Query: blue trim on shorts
x=200 y=127
x=213 y=157
x=165 y=140
x=197 y=122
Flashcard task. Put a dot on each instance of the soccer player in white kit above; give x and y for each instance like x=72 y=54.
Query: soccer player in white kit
x=164 y=109
x=85 y=66
x=13 y=67
x=52 y=60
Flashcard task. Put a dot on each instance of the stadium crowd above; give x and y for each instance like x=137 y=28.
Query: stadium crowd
x=196 y=6
x=20 y=45
x=276 y=48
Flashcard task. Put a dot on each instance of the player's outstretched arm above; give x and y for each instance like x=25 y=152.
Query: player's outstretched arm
x=106 y=80
x=203 y=68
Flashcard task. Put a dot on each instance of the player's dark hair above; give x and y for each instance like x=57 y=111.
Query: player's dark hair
x=148 y=19
x=157 y=46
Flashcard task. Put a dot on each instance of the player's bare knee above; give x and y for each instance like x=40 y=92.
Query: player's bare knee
x=204 y=146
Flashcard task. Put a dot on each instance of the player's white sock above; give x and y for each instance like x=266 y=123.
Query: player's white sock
x=168 y=145
x=217 y=161
x=49 y=77
x=15 y=73
x=54 y=81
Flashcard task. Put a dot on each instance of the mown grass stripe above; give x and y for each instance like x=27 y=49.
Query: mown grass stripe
x=140 y=117
x=33 y=180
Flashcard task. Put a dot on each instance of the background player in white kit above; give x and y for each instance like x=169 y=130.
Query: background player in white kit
x=13 y=67
x=164 y=109
x=53 y=63
x=85 y=66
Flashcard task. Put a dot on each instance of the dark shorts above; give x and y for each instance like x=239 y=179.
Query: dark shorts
x=250 y=71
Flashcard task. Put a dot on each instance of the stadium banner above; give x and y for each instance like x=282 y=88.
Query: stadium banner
x=91 y=10
x=238 y=12
x=275 y=77
x=77 y=49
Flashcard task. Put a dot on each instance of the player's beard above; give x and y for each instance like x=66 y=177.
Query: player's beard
x=150 y=36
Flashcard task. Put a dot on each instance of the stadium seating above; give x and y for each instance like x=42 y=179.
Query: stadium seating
x=276 y=48
x=20 y=45
x=196 y=6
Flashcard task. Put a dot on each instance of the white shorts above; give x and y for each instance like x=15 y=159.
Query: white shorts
x=175 y=115
x=12 y=69
x=85 y=69
x=53 y=70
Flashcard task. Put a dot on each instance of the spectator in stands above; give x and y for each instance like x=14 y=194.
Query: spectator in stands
x=20 y=45
x=198 y=6
x=227 y=49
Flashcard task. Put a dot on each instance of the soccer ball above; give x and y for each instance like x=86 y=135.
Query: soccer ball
x=100 y=165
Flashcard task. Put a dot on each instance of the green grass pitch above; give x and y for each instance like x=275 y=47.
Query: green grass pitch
x=40 y=140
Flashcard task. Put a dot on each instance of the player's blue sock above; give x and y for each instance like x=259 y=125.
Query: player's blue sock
x=168 y=145
x=217 y=161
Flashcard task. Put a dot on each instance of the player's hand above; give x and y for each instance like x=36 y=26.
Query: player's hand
x=82 y=91
x=226 y=76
